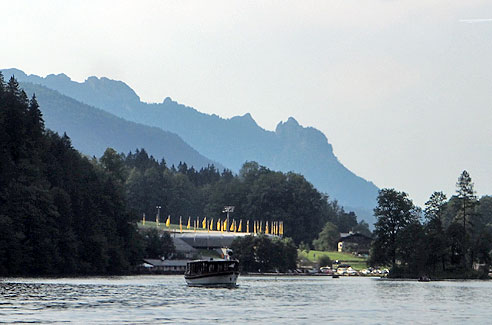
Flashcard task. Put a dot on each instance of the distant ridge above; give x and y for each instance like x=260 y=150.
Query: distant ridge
x=92 y=130
x=291 y=147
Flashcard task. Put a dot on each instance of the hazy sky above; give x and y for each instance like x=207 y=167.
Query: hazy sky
x=402 y=89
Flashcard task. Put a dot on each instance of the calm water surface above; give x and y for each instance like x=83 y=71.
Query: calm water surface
x=295 y=300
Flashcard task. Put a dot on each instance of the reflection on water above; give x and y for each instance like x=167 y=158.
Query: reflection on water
x=166 y=299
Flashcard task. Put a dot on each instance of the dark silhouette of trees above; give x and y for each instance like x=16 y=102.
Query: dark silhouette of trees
x=466 y=197
x=437 y=242
x=434 y=206
x=157 y=244
x=455 y=239
x=363 y=228
x=59 y=212
x=394 y=212
x=265 y=254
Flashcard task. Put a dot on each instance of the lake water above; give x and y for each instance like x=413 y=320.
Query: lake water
x=260 y=300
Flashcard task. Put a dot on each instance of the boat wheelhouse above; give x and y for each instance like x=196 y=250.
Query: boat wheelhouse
x=213 y=272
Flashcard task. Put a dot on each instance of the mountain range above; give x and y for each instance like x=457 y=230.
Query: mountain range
x=162 y=128
x=92 y=130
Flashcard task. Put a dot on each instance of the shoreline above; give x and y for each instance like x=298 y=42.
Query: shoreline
x=266 y=275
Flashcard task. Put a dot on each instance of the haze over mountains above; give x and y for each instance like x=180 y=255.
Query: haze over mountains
x=92 y=130
x=230 y=142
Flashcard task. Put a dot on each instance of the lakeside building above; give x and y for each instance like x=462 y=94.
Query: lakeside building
x=354 y=243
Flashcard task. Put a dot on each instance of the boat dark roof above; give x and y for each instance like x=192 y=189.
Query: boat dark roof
x=221 y=260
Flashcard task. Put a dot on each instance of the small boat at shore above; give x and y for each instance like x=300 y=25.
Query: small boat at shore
x=212 y=272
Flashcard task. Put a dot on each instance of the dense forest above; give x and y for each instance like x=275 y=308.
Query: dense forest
x=60 y=213
x=449 y=238
x=257 y=194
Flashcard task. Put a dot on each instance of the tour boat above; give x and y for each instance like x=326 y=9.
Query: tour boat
x=212 y=272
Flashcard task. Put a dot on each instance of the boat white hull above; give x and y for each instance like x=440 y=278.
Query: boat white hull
x=226 y=280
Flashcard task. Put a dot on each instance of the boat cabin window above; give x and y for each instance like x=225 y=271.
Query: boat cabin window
x=211 y=267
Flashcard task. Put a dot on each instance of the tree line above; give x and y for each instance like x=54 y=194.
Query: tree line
x=448 y=238
x=257 y=193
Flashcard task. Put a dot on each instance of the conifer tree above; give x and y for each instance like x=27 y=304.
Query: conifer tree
x=466 y=196
x=437 y=246
x=434 y=206
x=468 y=200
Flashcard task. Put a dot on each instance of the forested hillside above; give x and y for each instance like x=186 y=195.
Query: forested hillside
x=231 y=142
x=257 y=193
x=59 y=212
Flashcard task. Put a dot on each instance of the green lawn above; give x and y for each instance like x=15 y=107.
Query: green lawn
x=356 y=262
x=162 y=226
x=151 y=224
